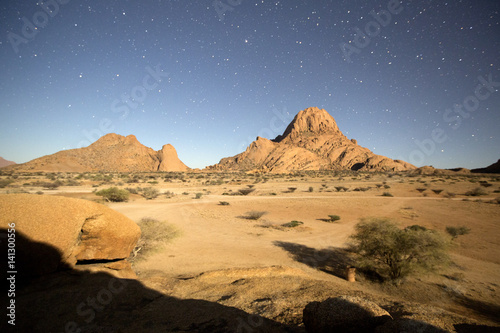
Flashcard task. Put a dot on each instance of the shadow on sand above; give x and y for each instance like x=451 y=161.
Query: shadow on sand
x=62 y=299
x=332 y=260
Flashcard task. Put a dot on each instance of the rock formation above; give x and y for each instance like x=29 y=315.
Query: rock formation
x=4 y=162
x=493 y=168
x=344 y=314
x=111 y=152
x=81 y=231
x=312 y=141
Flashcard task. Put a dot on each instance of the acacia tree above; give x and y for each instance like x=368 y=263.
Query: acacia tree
x=395 y=253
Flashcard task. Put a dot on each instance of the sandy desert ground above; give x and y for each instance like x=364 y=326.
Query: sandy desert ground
x=262 y=267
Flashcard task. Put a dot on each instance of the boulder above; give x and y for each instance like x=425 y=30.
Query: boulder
x=75 y=230
x=344 y=314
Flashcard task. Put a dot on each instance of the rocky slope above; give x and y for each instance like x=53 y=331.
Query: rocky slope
x=111 y=152
x=493 y=168
x=312 y=141
x=4 y=162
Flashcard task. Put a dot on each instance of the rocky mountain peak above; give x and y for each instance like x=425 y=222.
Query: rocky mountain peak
x=311 y=121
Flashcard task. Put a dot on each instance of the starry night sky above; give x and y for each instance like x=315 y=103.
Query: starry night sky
x=209 y=76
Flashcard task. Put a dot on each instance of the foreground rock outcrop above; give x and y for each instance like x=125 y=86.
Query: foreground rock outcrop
x=112 y=152
x=344 y=314
x=78 y=231
x=312 y=141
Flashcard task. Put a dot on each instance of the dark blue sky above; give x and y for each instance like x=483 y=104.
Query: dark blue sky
x=419 y=82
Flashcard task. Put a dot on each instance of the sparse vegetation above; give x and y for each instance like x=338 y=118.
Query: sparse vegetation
x=198 y=195
x=154 y=236
x=478 y=191
x=150 y=193
x=246 y=191
x=255 y=215
x=169 y=194
x=292 y=224
x=114 y=194
x=454 y=232
x=396 y=253
x=333 y=218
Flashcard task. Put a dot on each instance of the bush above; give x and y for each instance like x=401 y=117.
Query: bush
x=476 y=192
x=5 y=182
x=292 y=224
x=198 y=195
x=394 y=253
x=150 y=193
x=246 y=191
x=133 y=190
x=457 y=231
x=311 y=189
x=387 y=194
x=333 y=218
x=223 y=203
x=169 y=194
x=255 y=215
x=154 y=235
x=114 y=194
x=291 y=189
x=51 y=186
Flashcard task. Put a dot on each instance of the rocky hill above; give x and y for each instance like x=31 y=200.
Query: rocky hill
x=493 y=168
x=111 y=152
x=312 y=141
x=4 y=162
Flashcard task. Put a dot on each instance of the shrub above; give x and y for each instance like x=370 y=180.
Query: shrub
x=394 y=253
x=311 y=189
x=51 y=186
x=421 y=190
x=255 y=215
x=333 y=218
x=291 y=189
x=292 y=224
x=154 y=235
x=198 y=195
x=437 y=191
x=246 y=191
x=476 y=192
x=169 y=194
x=114 y=194
x=449 y=195
x=457 y=231
x=387 y=194
x=150 y=193
x=223 y=203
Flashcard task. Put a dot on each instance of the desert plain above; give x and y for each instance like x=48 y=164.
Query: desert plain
x=216 y=250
